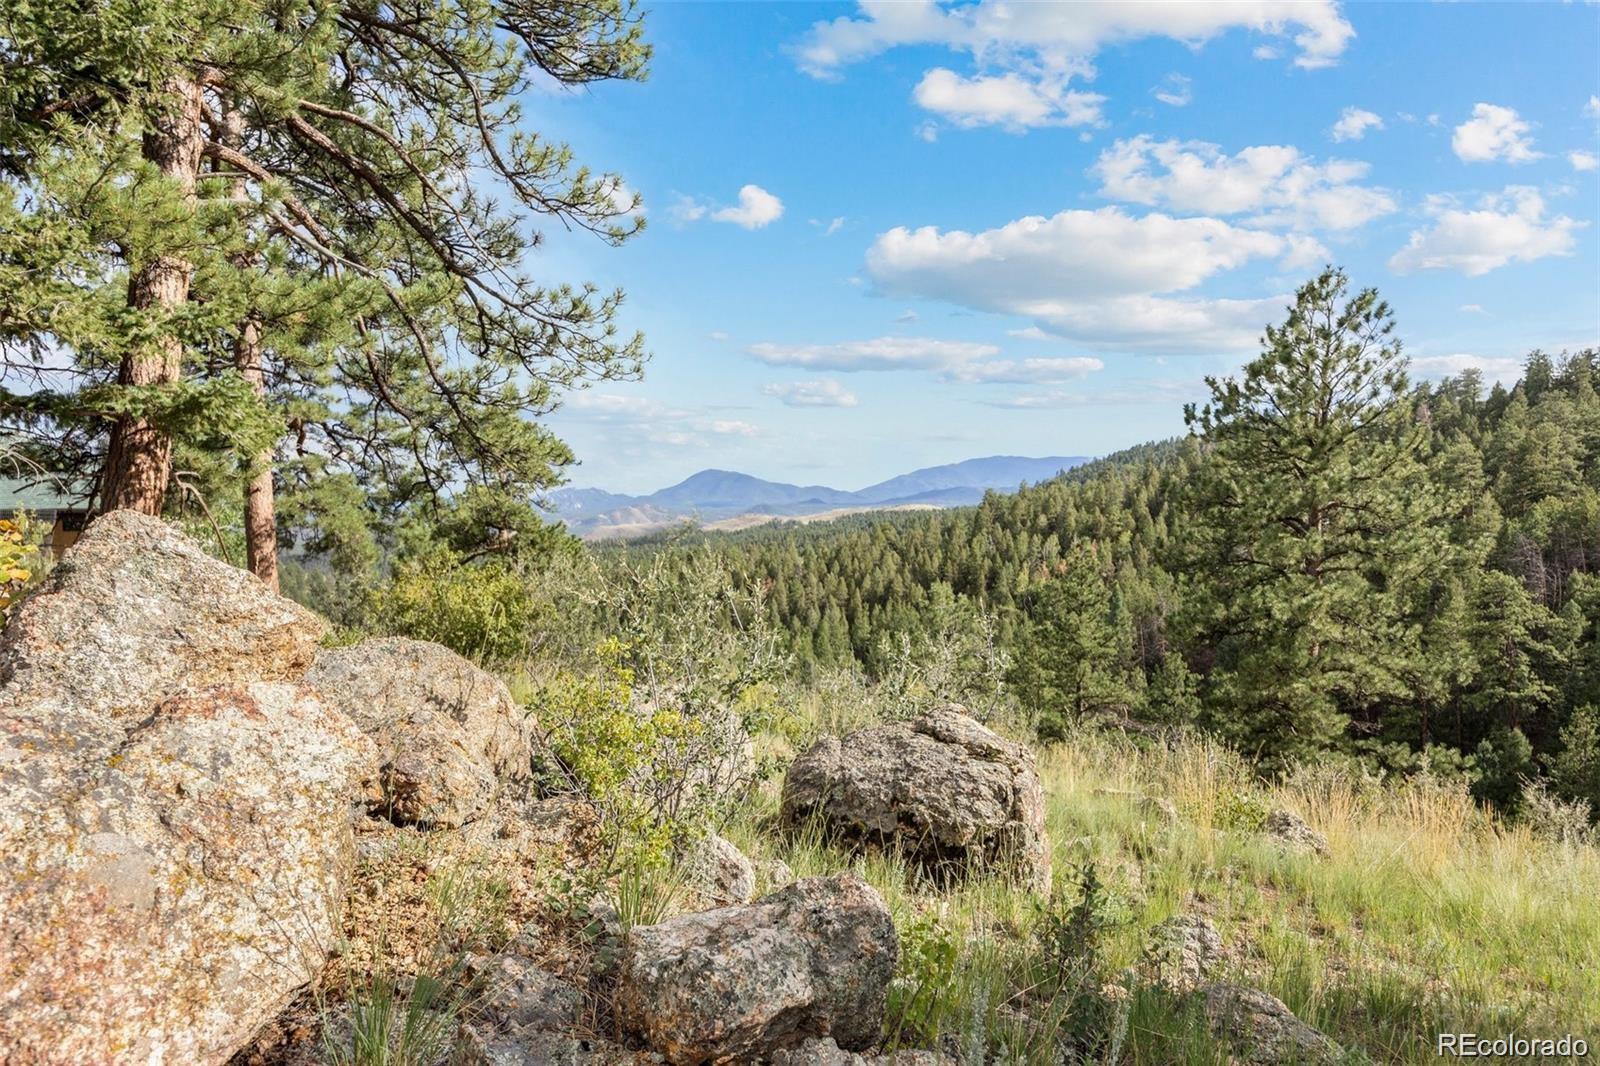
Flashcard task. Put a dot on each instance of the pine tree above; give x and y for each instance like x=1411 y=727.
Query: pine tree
x=274 y=228
x=1312 y=518
x=1073 y=659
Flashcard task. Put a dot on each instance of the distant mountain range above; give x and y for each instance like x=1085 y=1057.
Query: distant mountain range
x=730 y=500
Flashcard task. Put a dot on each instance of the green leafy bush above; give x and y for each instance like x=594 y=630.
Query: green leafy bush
x=485 y=611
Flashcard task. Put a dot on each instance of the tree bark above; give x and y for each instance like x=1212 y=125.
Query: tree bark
x=260 y=516
x=139 y=458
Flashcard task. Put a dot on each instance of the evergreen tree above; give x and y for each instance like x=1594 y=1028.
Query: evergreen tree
x=1073 y=658
x=1575 y=768
x=1312 y=518
x=275 y=228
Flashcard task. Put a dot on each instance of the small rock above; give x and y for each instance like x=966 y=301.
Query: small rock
x=1183 y=952
x=773 y=873
x=1291 y=830
x=952 y=795
x=717 y=870
x=1262 y=1030
x=741 y=983
x=478 y=1046
x=448 y=734
x=825 y=1052
x=519 y=995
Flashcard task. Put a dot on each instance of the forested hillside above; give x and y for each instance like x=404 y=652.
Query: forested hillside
x=1397 y=572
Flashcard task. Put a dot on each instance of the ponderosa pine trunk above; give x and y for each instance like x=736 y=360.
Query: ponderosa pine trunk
x=139 y=457
x=260 y=516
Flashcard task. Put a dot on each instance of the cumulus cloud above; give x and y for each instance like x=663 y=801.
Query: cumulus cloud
x=1506 y=227
x=1011 y=101
x=1354 y=123
x=1494 y=368
x=1027 y=54
x=756 y=208
x=1583 y=160
x=881 y=353
x=1026 y=371
x=1275 y=184
x=1064 y=36
x=655 y=422
x=1157 y=392
x=1175 y=90
x=824 y=392
x=1592 y=108
x=1098 y=276
x=1029 y=333
x=1494 y=133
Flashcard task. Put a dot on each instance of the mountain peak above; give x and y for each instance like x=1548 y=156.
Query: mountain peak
x=714 y=495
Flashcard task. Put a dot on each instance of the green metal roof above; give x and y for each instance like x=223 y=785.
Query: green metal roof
x=17 y=494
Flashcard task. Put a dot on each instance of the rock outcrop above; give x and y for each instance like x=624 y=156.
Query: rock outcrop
x=1183 y=952
x=136 y=612
x=448 y=734
x=739 y=984
x=950 y=794
x=718 y=871
x=1291 y=831
x=1262 y=1030
x=175 y=831
x=167 y=887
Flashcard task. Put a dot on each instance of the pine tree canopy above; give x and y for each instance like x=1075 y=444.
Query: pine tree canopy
x=311 y=223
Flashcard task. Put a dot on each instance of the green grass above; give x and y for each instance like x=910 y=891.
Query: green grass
x=1428 y=915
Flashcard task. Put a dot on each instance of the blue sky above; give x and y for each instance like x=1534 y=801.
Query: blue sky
x=893 y=235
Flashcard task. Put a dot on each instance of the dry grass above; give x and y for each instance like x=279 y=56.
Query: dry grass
x=1427 y=915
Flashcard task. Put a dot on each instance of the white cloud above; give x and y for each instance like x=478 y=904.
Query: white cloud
x=1354 y=123
x=655 y=422
x=1583 y=160
x=1492 y=133
x=1095 y=276
x=1029 y=333
x=1507 y=227
x=1026 y=371
x=1011 y=101
x=881 y=353
x=717 y=335
x=624 y=201
x=1175 y=90
x=905 y=318
x=1473 y=309
x=1064 y=37
x=1494 y=368
x=687 y=209
x=1157 y=392
x=756 y=208
x=1274 y=184
x=1592 y=108
x=824 y=392
x=1264 y=51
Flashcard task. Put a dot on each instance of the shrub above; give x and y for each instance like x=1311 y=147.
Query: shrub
x=485 y=611
x=21 y=561
x=1069 y=935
